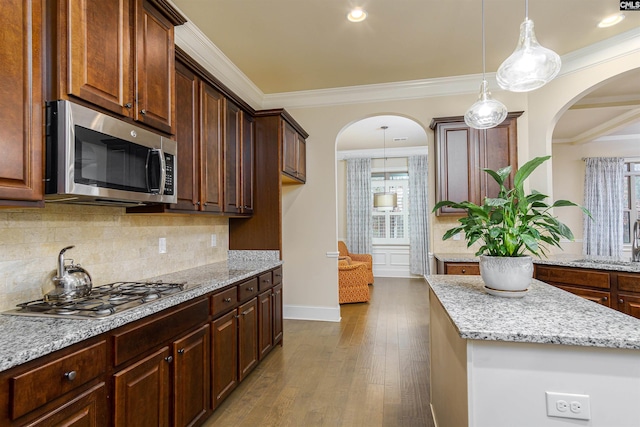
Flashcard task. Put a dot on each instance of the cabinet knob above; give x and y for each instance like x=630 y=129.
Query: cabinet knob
x=205 y=203
x=605 y=298
x=267 y=280
x=227 y=300
x=247 y=206
x=169 y=359
x=181 y=351
x=250 y=289
x=143 y=112
x=464 y=271
x=197 y=203
x=128 y=105
x=71 y=375
x=621 y=301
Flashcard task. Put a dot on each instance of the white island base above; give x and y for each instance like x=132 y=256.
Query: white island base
x=493 y=382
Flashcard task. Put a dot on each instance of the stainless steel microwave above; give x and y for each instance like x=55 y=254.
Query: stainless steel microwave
x=93 y=158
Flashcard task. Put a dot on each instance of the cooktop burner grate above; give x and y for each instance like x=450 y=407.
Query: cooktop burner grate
x=103 y=300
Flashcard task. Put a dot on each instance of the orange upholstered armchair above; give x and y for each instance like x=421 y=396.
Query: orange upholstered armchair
x=353 y=281
x=365 y=259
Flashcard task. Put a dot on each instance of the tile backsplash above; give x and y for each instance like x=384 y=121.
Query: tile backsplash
x=109 y=244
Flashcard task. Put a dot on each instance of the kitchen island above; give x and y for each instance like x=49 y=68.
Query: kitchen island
x=494 y=359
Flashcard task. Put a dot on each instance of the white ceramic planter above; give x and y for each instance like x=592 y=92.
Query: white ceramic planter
x=506 y=276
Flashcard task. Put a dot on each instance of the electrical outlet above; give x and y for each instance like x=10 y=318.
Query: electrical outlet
x=162 y=245
x=566 y=405
x=213 y=241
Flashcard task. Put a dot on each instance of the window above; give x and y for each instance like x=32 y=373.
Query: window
x=391 y=227
x=631 y=201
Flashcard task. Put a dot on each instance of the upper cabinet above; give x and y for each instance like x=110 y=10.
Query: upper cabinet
x=294 y=154
x=21 y=139
x=463 y=152
x=118 y=55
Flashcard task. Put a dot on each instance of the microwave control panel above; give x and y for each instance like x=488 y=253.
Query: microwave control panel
x=169 y=181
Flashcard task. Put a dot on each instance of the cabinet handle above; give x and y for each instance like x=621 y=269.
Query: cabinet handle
x=244 y=313
x=278 y=275
x=181 y=351
x=250 y=289
x=128 y=105
x=71 y=375
x=169 y=359
x=267 y=280
x=143 y=112
x=227 y=300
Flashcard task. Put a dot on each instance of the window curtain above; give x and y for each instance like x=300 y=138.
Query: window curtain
x=359 y=206
x=603 y=197
x=418 y=216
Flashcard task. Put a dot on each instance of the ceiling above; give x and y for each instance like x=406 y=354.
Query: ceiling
x=298 y=45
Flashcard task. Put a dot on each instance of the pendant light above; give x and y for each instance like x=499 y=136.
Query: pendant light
x=530 y=66
x=486 y=112
x=385 y=201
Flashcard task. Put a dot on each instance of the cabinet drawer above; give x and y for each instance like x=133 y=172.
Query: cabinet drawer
x=248 y=289
x=471 y=268
x=573 y=276
x=629 y=282
x=277 y=276
x=143 y=336
x=599 y=297
x=50 y=381
x=224 y=301
x=265 y=281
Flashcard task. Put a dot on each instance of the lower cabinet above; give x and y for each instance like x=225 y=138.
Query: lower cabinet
x=142 y=391
x=172 y=368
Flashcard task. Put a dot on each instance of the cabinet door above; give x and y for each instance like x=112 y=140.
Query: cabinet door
x=154 y=68
x=455 y=155
x=277 y=314
x=88 y=409
x=211 y=169
x=629 y=304
x=232 y=150
x=191 y=378
x=600 y=297
x=21 y=142
x=96 y=39
x=141 y=392
x=265 y=323
x=302 y=159
x=497 y=148
x=289 y=149
x=246 y=172
x=187 y=124
x=247 y=337
x=224 y=354
x=466 y=268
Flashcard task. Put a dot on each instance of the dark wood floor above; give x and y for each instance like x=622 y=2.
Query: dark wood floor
x=371 y=369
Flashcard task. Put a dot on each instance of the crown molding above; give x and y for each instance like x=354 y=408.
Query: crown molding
x=379 y=153
x=193 y=41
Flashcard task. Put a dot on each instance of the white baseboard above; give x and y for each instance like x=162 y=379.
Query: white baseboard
x=305 y=312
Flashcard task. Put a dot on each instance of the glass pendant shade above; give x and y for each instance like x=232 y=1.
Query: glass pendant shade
x=385 y=201
x=486 y=112
x=530 y=66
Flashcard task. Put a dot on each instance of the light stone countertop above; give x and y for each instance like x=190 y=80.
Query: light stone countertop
x=24 y=338
x=546 y=315
x=564 y=260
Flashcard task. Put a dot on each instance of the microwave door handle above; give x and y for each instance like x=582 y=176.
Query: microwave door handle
x=163 y=169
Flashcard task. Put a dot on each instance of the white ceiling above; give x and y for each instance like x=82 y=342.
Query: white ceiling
x=297 y=45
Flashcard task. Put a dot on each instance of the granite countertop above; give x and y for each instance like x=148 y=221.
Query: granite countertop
x=24 y=338
x=565 y=260
x=546 y=315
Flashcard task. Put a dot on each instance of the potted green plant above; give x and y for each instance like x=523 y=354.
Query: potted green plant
x=510 y=227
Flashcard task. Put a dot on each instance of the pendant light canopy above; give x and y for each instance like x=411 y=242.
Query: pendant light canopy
x=486 y=112
x=530 y=66
x=385 y=201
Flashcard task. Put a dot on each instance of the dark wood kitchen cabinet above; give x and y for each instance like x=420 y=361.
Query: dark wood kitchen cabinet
x=142 y=391
x=464 y=268
x=263 y=230
x=192 y=378
x=294 y=154
x=21 y=137
x=461 y=154
x=232 y=158
x=118 y=55
x=224 y=354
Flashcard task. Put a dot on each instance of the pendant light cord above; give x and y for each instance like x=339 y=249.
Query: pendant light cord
x=526 y=10
x=483 y=51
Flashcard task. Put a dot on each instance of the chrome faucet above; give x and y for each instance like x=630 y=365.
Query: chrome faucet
x=635 y=242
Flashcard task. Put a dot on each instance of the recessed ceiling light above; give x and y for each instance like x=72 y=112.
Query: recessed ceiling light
x=611 y=20
x=357 y=15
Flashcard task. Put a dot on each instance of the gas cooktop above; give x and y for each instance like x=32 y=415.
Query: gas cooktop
x=102 y=302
